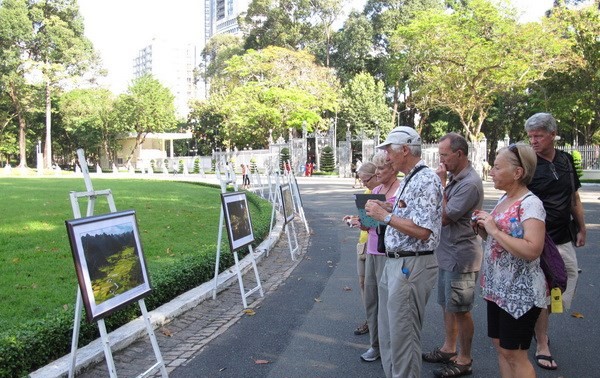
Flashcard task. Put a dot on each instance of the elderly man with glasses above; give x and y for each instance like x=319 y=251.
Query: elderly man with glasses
x=413 y=232
x=555 y=182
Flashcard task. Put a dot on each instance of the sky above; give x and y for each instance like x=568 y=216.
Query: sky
x=120 y=28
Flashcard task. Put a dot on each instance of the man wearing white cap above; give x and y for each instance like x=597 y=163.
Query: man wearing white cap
x=413 y=231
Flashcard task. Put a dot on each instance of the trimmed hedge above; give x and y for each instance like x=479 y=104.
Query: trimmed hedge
x=36 y=343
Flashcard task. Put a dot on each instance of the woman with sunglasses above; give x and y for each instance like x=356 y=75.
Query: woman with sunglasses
x=512 y=281
x=366 y=174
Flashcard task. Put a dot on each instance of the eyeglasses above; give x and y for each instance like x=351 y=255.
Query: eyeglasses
x=367 y=180
x=553 y=170
x=515 y=150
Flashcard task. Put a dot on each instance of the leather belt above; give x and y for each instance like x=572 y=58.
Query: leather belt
x=400 y=254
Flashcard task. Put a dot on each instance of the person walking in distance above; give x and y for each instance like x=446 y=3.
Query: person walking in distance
x=459 y=256
x=556 y=183
x=413 y=232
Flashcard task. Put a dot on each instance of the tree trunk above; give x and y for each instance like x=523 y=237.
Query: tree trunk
x=22 y=126
x=48 y=149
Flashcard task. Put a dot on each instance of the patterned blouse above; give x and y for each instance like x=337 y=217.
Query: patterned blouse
x=514 y=284
x=423 y=199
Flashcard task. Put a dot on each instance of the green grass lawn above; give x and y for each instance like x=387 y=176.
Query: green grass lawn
x=37 y=274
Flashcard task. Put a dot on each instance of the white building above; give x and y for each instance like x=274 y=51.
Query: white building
x=221 y=16
x=172 y=63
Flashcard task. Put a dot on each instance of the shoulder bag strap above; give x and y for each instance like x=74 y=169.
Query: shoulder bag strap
x=406 y=183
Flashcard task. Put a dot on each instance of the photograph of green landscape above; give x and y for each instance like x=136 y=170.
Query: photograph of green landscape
x=109 y=261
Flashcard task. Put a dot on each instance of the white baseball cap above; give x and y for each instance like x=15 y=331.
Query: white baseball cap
x=402 y=135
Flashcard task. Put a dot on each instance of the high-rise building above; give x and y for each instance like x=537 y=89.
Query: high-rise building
x=221 y=16
x=172 y=63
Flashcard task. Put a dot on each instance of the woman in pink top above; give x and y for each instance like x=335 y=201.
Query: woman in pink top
x=389 y=183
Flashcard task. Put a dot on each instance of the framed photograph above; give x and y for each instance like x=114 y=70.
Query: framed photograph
x=109 y=262
x=237 y=219
x=288 y=202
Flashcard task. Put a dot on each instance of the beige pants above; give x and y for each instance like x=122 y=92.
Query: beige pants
x=402 y=301
x=373 y=271
x=567 y=251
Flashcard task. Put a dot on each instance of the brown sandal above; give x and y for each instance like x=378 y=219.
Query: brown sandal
x=361 y=330
x=437 y=355
x=452 y=369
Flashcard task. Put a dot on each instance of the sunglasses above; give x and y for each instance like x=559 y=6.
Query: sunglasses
x=515 y=150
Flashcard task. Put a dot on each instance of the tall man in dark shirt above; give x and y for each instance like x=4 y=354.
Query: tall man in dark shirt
x=556 y=183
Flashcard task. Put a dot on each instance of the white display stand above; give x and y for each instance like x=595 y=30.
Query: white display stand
x=290 y=231
x=91 y=196
x=245 y=293
x=297 y=200
x=274 y=197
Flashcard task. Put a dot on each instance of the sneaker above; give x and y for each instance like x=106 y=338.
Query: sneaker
x=362 y=329
x=370 y=355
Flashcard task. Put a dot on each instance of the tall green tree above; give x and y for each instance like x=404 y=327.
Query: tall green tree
x=15 y=93
x=353 y=47
x=364 y=106
x=59 y=50
x=147 y=107
x=462 y=60
x=293 y=24
x=88 y=120
x=284 y=23
x=270 y=92
x=386 y=16
x=573 y=94
x=217 y=52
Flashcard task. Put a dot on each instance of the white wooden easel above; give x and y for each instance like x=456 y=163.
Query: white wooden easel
x=245 y=293
x=274 y=197
x=297 y=200
x=290 y=230
x=92 y=195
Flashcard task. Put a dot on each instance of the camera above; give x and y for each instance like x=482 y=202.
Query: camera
x=474 y=218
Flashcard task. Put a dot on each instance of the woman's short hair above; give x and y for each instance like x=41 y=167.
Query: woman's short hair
x=367 y=168
x=522 y=155
x=380 y=158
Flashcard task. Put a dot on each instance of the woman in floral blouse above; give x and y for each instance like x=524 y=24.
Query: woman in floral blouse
x=513 y=283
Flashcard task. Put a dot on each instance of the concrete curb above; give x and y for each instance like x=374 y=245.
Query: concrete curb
x=124 y=336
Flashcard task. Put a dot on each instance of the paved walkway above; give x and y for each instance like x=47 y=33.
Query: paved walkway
x=187 y=334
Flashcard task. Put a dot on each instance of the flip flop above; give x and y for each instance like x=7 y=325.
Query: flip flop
x=539 y=357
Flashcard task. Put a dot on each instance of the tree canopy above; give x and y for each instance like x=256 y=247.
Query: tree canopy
x=462 y=60
x=269 y=91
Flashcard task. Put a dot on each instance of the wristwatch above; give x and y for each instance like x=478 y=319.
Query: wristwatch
x=388 y=218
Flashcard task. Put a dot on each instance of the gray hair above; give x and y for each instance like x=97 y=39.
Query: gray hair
x=415 y=150
x=380 y=158
x=541 y=121
x=457 y=142
x=367 y=168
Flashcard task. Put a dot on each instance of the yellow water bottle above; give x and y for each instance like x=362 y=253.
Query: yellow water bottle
x=556 y=305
